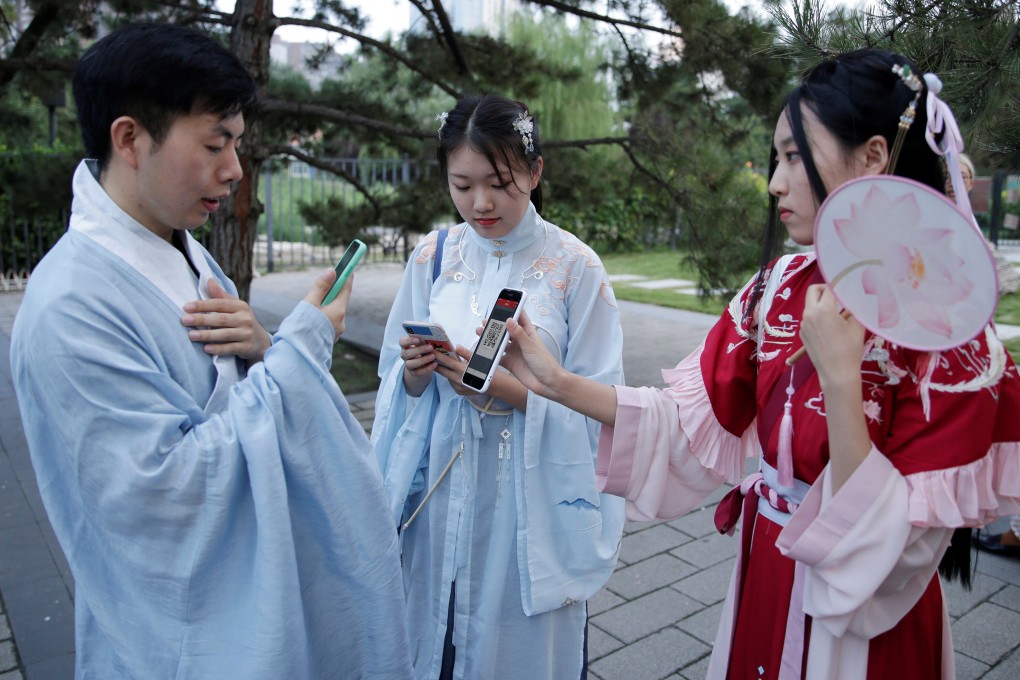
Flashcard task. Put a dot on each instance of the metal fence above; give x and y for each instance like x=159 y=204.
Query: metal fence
x=24 y=241
x=285 y=238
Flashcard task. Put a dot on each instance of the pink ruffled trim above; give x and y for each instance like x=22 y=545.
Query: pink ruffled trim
x=970 y=495
x=713 y=446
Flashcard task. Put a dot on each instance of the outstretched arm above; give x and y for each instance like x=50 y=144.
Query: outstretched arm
x=530 y=362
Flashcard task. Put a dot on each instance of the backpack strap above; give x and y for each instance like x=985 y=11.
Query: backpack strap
x=437 y=264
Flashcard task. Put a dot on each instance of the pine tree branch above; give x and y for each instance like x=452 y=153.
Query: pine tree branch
x=206 y=14
x=329 y=113
x=648 y=173
x=284 y=150
x=577 y=11
x=396 y=55
x=420 y=6
x=450 y=37
x=585 y=143
x=46 y=15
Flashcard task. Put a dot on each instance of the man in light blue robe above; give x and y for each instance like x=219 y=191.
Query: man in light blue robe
x=220 y=522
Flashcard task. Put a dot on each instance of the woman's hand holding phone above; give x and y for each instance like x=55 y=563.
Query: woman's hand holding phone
x=503 y=386
x=451 y=367
x=529 y=360
x=419 y=359
x=422 y=360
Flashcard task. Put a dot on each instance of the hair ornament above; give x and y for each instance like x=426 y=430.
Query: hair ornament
x=910 y=79
x=525 y=125
x=908 y=76
x=441 y=117
x=942 y=121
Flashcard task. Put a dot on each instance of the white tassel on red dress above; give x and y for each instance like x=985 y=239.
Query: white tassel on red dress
x=784 y=458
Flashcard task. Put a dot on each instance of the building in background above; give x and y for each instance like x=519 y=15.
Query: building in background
x=475 y=16
x=296 y=56
x=466 y=16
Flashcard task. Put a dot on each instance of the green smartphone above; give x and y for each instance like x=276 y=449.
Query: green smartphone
x=352 y=256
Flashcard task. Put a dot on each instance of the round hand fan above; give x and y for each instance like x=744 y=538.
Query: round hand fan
x=906 y=262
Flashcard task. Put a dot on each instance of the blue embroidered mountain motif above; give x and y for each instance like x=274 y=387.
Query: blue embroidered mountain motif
x=579 y=503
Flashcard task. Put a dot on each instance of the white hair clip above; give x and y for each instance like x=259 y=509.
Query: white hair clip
x=524 y=126
x=441 y=117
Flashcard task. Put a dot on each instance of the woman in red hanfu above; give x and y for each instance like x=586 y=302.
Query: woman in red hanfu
x=891 y=449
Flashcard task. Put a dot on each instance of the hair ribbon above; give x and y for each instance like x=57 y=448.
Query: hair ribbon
x=942 y=120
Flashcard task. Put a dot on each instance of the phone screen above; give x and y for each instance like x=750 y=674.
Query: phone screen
x=350 y=258
x=346 y=259
x=490 y=342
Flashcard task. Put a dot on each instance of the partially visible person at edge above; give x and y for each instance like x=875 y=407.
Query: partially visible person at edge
x=219 y=521
x=893 y=453
x=1006 y=543
x=1008 y=277
x=500 y=561
x=966 y=174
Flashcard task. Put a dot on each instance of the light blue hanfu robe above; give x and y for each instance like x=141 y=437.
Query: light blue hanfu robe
x=525 y=535
x=217 y=525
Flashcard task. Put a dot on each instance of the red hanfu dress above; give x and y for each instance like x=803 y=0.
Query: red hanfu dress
x=850 y=578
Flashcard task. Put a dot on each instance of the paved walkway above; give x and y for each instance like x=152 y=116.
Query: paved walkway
x=655 y=619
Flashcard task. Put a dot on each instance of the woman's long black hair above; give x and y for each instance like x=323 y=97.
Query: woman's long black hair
x=857 y=96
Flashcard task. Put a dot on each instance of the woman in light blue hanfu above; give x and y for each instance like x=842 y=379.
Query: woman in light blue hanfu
x=500 y=560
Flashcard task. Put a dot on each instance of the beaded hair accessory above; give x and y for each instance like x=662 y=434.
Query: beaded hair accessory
x=525 y=125
x=911 y=80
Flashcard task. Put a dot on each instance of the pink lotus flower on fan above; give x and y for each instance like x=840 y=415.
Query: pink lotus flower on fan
x=908 y=267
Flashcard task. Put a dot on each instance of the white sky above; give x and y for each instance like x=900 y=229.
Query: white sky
x=384 y=16
x=392 y=16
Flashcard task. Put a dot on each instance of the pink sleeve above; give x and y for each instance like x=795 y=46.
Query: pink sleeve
x=867 y=565
x=968 y=495
x=667 y=450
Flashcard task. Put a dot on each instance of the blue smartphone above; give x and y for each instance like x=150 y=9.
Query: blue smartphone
x=352 y=256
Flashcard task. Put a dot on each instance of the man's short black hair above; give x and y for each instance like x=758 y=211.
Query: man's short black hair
x=155 y=73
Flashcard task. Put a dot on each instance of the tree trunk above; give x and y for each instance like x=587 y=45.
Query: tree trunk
x=235 y=228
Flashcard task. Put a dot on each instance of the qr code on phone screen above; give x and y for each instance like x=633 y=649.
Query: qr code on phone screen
x=492 y=334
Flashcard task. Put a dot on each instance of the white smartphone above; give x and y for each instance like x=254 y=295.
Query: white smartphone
x=432 y=333
x=489 y=350
x=351 y=257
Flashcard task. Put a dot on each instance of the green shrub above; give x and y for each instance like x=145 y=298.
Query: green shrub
x=35 y=201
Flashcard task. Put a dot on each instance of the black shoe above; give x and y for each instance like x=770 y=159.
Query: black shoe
x=993 y=543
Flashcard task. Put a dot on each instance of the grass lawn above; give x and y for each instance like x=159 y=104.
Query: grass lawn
x=353 y=369
x=1013 y=346
x=659 y=265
